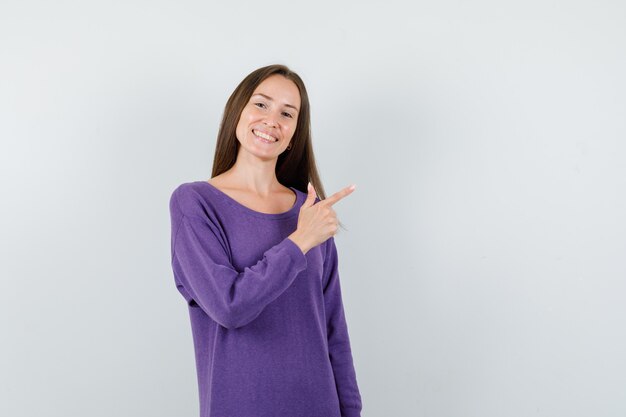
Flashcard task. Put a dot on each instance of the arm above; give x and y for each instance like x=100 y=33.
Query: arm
x=205 y=274
x=338 y=339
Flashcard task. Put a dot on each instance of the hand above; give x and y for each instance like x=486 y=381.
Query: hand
x=317 y=222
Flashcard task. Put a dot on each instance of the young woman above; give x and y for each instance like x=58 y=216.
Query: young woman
x=254 y=256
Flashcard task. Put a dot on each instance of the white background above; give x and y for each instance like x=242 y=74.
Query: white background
x=483 y=269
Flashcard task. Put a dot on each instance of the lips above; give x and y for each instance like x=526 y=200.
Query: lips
x=264 y=135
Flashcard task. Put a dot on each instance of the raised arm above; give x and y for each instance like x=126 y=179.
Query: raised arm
x=204 y=273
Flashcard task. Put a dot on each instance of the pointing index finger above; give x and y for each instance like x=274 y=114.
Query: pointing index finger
x=339 y=195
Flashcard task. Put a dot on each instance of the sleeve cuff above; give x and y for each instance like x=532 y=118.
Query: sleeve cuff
x=299 y=258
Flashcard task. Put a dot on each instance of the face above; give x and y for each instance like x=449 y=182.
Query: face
x=269 y=119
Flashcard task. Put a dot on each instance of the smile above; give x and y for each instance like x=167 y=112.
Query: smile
x=264 y=137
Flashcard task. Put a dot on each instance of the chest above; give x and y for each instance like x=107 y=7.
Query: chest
x=247 y=245
x=279 y=202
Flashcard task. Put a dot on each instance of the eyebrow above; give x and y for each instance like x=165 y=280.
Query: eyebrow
x=271 y=99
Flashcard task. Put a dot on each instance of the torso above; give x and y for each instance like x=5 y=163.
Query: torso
x=279 y=202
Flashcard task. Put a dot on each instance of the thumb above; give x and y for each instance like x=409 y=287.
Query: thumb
x=310 y=198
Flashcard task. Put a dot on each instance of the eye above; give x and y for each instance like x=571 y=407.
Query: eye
x=288 y=115
x=261 y=105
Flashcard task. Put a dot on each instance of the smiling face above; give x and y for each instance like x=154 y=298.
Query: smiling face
x=269 y=119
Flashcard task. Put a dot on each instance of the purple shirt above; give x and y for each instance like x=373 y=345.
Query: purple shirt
x=268 y=324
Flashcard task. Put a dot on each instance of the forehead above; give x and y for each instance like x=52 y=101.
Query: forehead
x=280 y=89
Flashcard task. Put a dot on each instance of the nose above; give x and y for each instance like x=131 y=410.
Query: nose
x=270 y=120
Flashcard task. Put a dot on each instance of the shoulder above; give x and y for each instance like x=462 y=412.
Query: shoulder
x=331 y=247
x=190 y=199
x=329 y=251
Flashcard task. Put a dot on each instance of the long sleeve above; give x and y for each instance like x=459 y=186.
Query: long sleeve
x=338 y=339
x=205 y=274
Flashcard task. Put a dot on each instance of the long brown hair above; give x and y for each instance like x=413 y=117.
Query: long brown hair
x=294 y=167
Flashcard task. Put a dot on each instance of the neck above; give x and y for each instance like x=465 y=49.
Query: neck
x=258 y=177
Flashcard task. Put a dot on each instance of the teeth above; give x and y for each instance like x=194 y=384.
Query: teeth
x=264 y=136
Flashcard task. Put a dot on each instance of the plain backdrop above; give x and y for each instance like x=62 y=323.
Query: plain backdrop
x=483 y=268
